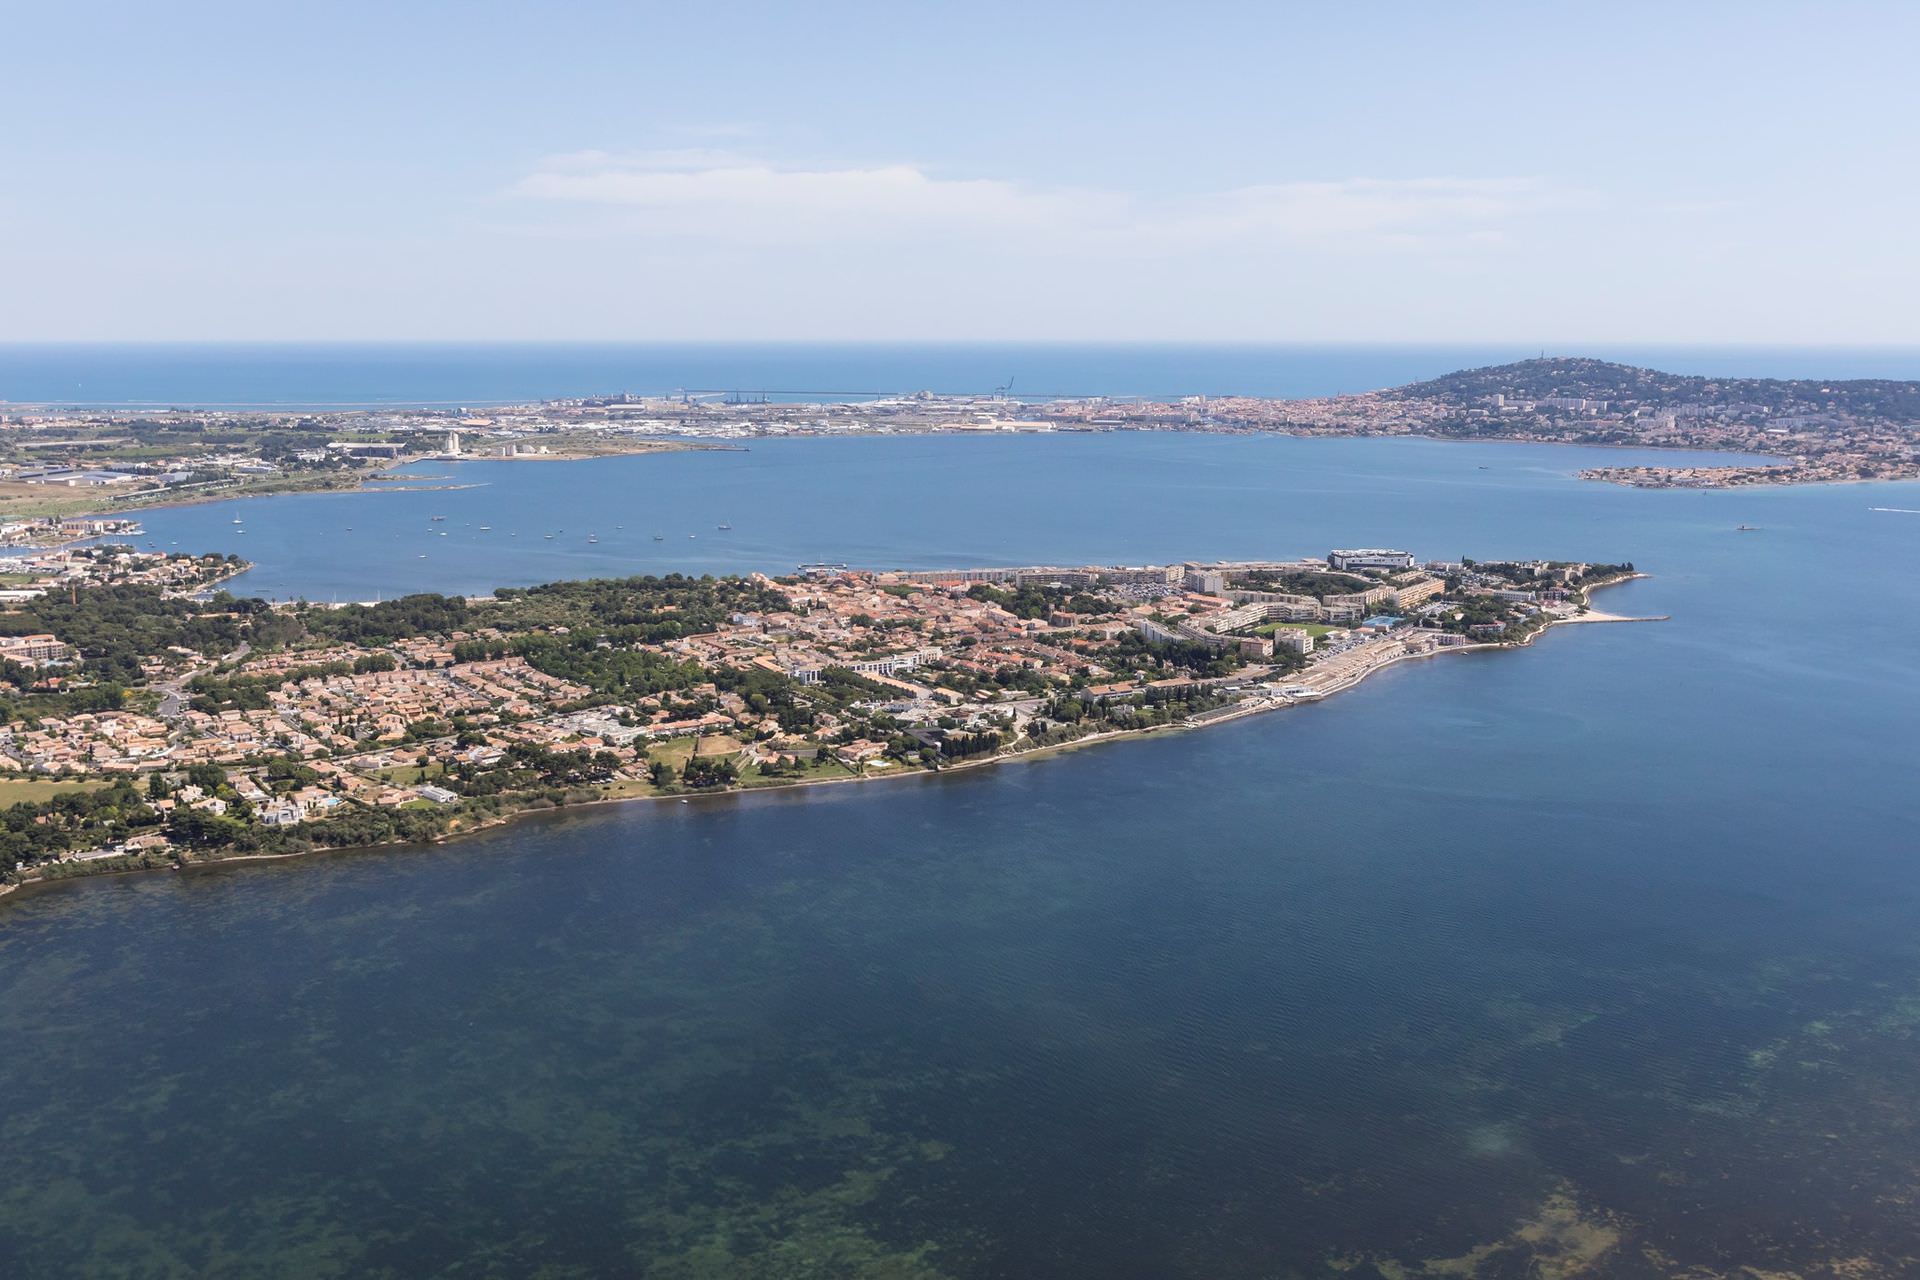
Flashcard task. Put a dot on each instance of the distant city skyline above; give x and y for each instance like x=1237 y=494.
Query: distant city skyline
x=1713 y=173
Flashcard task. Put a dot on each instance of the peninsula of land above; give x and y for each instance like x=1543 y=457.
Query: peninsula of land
x=61 y=461
x=148 y=723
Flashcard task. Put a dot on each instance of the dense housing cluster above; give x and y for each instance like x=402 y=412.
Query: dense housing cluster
x=1807 y=430
x=167 y=724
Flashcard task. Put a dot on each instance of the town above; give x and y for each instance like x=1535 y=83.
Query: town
x=152 y=721
x=56 y=461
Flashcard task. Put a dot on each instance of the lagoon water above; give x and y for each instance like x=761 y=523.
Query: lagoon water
x=1596 y=958
x=926 y=501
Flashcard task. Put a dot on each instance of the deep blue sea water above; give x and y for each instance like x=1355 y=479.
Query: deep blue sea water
x=288 y=375
x=1597 y=958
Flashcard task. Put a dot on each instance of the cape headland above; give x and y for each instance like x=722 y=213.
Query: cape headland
x=151 y=724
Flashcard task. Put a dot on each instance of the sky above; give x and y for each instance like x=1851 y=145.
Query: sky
x=1553 y=173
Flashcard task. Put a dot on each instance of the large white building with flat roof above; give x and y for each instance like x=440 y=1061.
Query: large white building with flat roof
x=1370 y=558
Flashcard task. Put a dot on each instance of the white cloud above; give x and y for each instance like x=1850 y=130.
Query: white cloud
x=718 y=195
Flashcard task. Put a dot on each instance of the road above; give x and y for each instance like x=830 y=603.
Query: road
x=173 y=693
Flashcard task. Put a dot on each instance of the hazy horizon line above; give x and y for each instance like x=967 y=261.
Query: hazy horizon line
x=1557 y=347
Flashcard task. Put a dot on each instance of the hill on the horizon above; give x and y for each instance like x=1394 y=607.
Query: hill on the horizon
x=1626 y=386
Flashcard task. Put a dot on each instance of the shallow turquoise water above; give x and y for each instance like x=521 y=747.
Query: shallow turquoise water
x=1599 y=953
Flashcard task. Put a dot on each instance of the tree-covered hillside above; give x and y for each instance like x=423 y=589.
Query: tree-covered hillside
x=1626 y=386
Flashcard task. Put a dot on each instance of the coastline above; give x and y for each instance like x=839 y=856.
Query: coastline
x=382 y=480
x=1220 y=716
x=1796 y=483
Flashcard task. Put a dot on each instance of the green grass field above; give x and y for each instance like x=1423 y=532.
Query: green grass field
x=411 y=775
x=677 y=751
x=23 y=790
x=1314 y=629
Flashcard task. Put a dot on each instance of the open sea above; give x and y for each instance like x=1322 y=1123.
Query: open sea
x=1597 y=958
x=344 y=375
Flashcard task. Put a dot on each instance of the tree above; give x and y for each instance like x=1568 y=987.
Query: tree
x=198 y=830
x=709 y=771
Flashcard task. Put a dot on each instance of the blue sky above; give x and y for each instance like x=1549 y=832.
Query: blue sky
x=1369 y=172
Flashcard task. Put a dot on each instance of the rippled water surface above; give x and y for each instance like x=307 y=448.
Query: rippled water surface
x=1597 y=958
